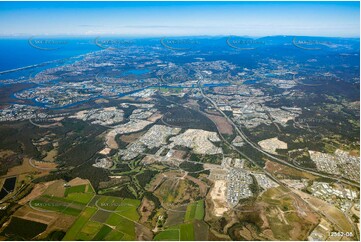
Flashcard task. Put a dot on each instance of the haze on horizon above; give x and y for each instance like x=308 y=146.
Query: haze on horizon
x=147 y=19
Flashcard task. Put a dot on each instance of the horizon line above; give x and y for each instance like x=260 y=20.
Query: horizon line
x=167 y=36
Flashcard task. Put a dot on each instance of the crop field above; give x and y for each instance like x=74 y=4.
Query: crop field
x=169 y=235
x=122 y=224
x=194 y=211
x=187 y=231
x=72 y=204
x=201 y=230
x=124 y=207
x=101 y=216
x=101 y=213
x=95 y=215
x=183 y=232
x=89 y=230
x=83 y=198
x=102 y=233
x=176 y=216
x=128 y=209
x=90 y=189
x=185 y=228
x=109 y=203
x=75 y=189
x=79 y=223
x=57 y=204
x=94 y=200
x=114 y=236
x=81 y=193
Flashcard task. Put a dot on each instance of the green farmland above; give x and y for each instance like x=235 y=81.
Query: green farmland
x=98 y=217
x=195 y=211
x=186 y=231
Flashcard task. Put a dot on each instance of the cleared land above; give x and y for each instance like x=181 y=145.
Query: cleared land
x=222 y=124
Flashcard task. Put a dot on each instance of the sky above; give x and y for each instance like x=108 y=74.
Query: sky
x=334 y=19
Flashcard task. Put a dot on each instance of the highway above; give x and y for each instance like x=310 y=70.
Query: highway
x=246 y=139
x=268 y=174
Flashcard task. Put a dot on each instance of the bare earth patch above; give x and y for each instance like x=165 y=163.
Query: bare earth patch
x=222 y=124
x=285 y=171
x=178 y=154
x=333 y=214
x=36 y=192
x=26 y=168
x=199 y=140
x=50 y=156
x=56 y=188
x=105 y=151
x=218 y=195
x=78 y=181
x=145 y=210
x=130 y=127
x=129 y=138
x=270 y=145
x=155 y=117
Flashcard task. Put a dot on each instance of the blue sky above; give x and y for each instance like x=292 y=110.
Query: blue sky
x=337 y=19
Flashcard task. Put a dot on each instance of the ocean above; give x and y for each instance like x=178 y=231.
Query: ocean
x=17 y=53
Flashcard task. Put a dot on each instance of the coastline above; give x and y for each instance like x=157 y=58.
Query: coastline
x=45 y=63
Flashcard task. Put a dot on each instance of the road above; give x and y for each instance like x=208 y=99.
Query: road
x=268 y=174
x=243 y=136
x=246 y=139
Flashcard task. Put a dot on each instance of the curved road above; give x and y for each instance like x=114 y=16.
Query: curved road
x=243 y=136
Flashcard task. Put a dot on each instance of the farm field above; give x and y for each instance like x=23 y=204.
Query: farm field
x=187 y=230
x=178 y=121
x=183 y=232
x=89 y=216
x=79 y=223
x=195 y=211
x=171 y=234
x=104 y=218
x=57 y=204
x=75 y=189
